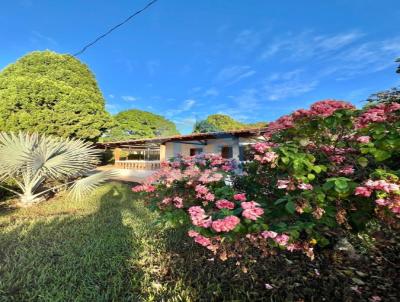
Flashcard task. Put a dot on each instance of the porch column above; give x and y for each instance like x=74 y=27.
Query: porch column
x=162 y=152
x=235 y=148
x=117 y=154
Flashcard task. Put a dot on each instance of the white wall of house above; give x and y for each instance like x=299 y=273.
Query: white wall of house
x=172 y=149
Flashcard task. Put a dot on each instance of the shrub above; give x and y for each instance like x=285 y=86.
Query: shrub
x=320 y=174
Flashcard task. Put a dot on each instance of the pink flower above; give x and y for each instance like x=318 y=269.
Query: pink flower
x=347 y=170
x=269 y=157
x=249 y=205
x=204 y=241
x=196 y=211
x=364 y=139
x=178 y=202
x=282 y=183
x=393 y=187
x=253 y=214
x=251 y=210
x=375 y=114
x=144 y=188
x=375 y=299
x=192 y=233
x=304 y=186
x=394 y=107
x=363 y=191
x=261 y=147
x=166 y=200
x=292 y=247
x=200 y=189
x=198 y=217
x=337 y=159
x=226 y=224
x=382 y=185
x=281 y=239
x=382 y=202
x=209 y=197
x=269 y=234
x=240 y=197
x=225 y=204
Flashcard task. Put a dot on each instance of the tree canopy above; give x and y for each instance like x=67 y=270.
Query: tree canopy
x=204 y=127
x=52 y=93
x=134 y=124
x=222 y=122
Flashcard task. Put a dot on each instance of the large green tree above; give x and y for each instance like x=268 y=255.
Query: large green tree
x=204 y=127
x=222 y=122
x=133 y=124
x=52 y=93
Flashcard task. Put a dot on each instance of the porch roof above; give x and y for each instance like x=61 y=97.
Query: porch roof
x=187 y=137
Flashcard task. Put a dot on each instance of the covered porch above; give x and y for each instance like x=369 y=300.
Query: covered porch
x=146 y=157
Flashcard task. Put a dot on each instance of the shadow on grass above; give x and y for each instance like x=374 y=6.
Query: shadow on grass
x=75 y=257
x=291 y=277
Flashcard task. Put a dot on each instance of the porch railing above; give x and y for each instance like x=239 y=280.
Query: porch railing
x=138 y=164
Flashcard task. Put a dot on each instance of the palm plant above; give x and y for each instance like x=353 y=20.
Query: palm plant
x=34 y=161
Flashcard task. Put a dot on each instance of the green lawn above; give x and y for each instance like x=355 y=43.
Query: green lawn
x=107 y=248
x=100 y=249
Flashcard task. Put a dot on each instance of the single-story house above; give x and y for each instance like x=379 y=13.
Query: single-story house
x=147 y=154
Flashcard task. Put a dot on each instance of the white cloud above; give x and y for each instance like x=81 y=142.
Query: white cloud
x=111 y=96
x=243 y=107
x=307 y=44
x=185 y=125
x=188 y=104
x=184 y=107
x=248 y=39
x=211 y=92
x=233 y=74
x=287 y=84
x=289 y=89
x=187 y=122
x=364 y=58
x=128 y=98
x=112 y=108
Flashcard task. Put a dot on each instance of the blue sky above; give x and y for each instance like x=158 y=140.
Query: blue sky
x=254 y=60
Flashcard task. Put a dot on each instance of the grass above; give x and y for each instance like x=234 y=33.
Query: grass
x=93 y=250
x=107 y=248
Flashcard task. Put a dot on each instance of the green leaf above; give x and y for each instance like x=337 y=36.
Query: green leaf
x=285 y=160
x=280 y=200
x=362 y=161
x=290 y=207
x=381 y=155
x=311 y=176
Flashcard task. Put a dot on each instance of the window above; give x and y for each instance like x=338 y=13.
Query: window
x=195 y=151
x=245 y=152
x=226 y=152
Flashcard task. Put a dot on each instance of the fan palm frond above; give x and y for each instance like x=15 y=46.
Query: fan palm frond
x=14 y=149
x=31 y=159
x=84 y=186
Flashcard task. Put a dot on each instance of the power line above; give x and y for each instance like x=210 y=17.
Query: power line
x=114 y=28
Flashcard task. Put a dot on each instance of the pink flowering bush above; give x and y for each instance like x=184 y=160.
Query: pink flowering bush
x=319 y=174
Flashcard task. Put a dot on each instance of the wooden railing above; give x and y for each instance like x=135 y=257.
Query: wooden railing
x=138 y=164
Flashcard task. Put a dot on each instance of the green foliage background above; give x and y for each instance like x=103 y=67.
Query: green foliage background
x=222 y=122
x=54 y=94
x=134 y=124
